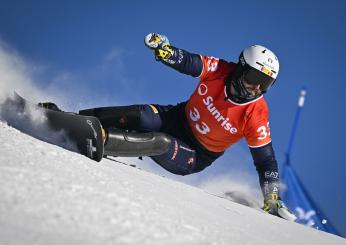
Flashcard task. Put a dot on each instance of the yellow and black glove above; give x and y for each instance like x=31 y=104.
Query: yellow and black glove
x=161 y=46
x=275 y=206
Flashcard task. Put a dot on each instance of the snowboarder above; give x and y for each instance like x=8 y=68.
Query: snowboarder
x=227 y=105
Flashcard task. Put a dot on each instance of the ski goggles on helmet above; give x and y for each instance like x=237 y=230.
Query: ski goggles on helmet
x=245 y=75
x=255 y=77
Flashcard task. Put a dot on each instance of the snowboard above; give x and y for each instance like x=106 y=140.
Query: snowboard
x=82 y=134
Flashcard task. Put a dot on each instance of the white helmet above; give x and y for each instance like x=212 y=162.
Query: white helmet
x=257 y=65
x=261 y=66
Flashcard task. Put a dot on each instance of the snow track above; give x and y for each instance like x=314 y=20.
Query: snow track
x=49 y=195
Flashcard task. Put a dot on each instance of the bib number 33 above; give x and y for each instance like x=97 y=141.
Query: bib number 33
x=201 y=127
x=263 y=131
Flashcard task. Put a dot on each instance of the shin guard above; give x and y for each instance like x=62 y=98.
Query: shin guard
x=133 y=144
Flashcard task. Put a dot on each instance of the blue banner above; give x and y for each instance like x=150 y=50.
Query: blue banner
x=299 y=202
x=294 y=194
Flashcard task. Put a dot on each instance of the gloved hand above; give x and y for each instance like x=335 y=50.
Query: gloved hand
x=160 y=45
x=49 y=105
x=275 y=206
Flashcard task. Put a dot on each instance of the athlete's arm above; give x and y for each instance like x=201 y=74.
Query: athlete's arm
x=267 y=169
x=179 y=59
x=185 y=62
x=268 y=173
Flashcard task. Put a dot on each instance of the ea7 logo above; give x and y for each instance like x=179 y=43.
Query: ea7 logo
x=272 y=174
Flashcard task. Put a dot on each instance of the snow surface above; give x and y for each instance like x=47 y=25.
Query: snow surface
x=49 y=195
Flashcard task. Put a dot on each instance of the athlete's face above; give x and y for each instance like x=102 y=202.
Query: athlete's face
x=253 y=90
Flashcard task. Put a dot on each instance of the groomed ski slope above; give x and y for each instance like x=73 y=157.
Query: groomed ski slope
x=49 y=195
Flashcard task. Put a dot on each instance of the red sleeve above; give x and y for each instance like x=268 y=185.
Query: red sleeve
x=257 y=132
x=214 y=68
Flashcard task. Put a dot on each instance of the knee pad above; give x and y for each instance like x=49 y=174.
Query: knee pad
x=133 y=144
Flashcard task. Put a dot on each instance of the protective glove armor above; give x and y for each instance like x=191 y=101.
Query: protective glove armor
x=275 y=206
x=161 y=46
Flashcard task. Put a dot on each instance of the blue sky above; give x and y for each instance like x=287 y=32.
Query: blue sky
x=93 y=53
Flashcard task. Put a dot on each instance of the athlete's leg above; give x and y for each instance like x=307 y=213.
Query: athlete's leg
x=168 y=151
x=133 y=117
x=135 y=144
x=178 y=159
